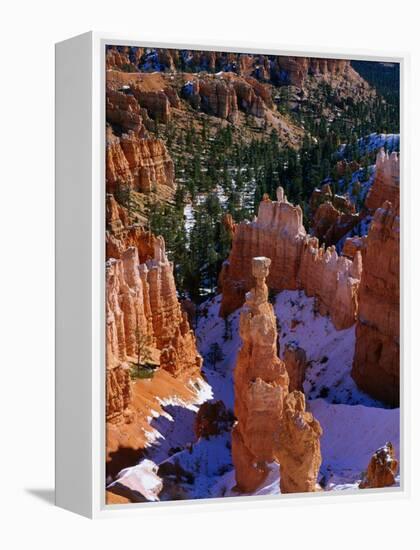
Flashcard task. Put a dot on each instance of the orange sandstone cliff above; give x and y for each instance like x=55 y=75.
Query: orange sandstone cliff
x=376 y=359
x=297 y=262
x=133 y=158
x=142 y=311
x=386 y=186
x=260 y=382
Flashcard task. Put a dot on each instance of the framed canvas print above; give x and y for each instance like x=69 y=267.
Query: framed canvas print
x=229 y=283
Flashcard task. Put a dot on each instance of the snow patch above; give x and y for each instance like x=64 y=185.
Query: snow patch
x=142 y=478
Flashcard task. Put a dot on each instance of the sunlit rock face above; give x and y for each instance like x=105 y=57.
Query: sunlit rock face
x=376 y=366
x=142 y=164
x=294 y=70
x=279 y=69
x=141 y=298
x=297 y=262
x=299 y=449
x=133 y=158
x=260 y=382
x=224 y=95
x=382 y=469
x=144 y=322
x=386 y=185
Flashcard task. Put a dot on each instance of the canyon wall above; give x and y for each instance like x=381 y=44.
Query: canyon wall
x=142 y=164
x=132 y=157
x=278 y=69
x=142 y=297
x=223 y=95
x=297 y=262
x=386 y=185
x=294 y=70
x=376 y=361
x=143 y=317
x=260 y=382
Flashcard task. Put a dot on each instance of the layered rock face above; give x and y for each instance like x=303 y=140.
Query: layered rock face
x=142 y=308
x=382 y=469
x=132 y=157
x=118 y=58
x=294 y=70
x=260 y=382
x=213 y=96
x=278 y=69
x=298 y=262
x=295 y=360
x=116 y=215
x=352 y=245
x=142 y=297
x=376 y=360
x=156 y=103
x=143 y=164
x=124 y=111
x=118 y=394
x=224 y=95
x=299 y=449
x=386 y=186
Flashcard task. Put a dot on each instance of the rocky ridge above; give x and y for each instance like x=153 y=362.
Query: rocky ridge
x=291 y=70
x=144 y=321
x=386 y=186
x=298 y=262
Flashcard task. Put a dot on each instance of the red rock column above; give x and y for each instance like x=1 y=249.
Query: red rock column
x=376 y=366
x=299 y=451
x=261 y=383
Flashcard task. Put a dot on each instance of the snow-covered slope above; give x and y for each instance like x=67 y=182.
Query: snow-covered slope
x=375 y=141
x=351 y=435
x=354 y=424
x=329 y=351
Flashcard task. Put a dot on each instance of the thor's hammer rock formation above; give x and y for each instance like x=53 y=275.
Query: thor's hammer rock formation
x=261 y=384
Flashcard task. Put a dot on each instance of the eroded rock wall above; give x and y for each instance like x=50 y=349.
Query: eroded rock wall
x=132 y=157
x=143 y=316
x=386 y=185
x=297 y=262
x=376 y=363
